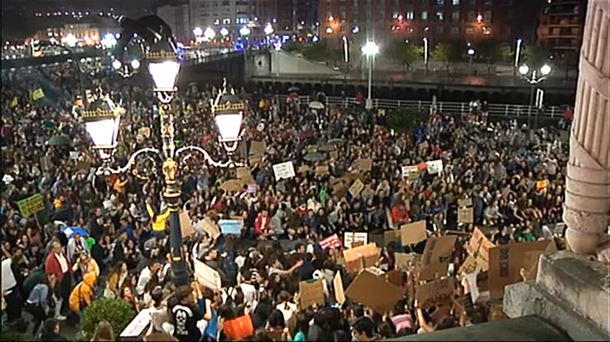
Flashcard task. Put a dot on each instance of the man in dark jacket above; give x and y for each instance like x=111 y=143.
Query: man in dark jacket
x=50 y=331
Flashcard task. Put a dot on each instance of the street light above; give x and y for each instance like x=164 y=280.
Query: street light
x=426 y=53
x=518 y=53
x=268 y=29
x=244 y=31
x=471 y=52
x=102 y=125
x=370 y=50
x=228 y=113
x=531 y=76
x=224 y=31
x=197 y=31
x=209 y=33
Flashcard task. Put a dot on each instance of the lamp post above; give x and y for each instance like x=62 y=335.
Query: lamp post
x=532 y=77
x=370 y=50
x=471 y=52
x=345 y=59
x=426 y=53
x=517 y=55
x=103 y=127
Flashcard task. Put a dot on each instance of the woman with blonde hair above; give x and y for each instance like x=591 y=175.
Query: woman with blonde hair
x=103 y=332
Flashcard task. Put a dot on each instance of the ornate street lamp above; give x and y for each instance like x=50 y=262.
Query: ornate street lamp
x=102 y=124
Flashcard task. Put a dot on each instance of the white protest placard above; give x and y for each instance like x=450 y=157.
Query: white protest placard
x=207 y=276
x=138 y=324
x=283 y=170
x=349 y=238
x=435 y=166
x=410 y=172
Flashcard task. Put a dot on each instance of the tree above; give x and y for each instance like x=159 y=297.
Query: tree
x=536 y=56
x=446 y=53
x=116 y=311
x=405 y=53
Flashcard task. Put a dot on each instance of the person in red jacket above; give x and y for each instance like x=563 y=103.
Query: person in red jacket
x=400 y=213
x=58 y=264
x=261 y=224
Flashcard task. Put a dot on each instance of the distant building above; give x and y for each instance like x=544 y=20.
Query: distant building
x=561 y=25
x=437 y=20
x=177 y=16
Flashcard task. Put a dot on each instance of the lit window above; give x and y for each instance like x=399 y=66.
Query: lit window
x=455 y=15
x=410 y=15
x=424 y=15
x=440 y=16
x=456 y=3
x=440 y=2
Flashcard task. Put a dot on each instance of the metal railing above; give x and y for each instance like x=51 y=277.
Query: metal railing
x=494 y=109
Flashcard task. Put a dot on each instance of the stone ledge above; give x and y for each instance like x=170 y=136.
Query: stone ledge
x=580 y=283
x=529 y=298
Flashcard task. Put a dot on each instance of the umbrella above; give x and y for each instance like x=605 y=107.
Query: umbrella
x=316 y=105
x=314 y=156
x=293 y=89
x=327 y=148
x=69 y=231
x=60 y=140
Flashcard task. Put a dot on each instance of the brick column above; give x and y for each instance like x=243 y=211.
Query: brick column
x=587 y=202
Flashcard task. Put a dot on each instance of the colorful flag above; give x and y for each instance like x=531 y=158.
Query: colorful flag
x=37 y=94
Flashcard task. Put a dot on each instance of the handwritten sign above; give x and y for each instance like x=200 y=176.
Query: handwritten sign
x=434 y=167
x=410 y=172
x=137 y=325
x=232 y=227
x=465 y=215
x=437 y=256
x=284 y=170
x=381 y=300
x=361 y=257
x=310 y=293
x=186 y=227
x=356 y=188
x=30 y=205
x=351 y=238
x=413 y=233
x=332 y=241
x=364 y=165
x=435 y=292
x=210 y=227
x=478 y=246
x=322 y=170
x=207 y=276
x=257 y=147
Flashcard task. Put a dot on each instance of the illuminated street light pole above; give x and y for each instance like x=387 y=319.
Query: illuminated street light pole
x=517 y=55
x=370 y=50
x=426 y=53
x=533 y=79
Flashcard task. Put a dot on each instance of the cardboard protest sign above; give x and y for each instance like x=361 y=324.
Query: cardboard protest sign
x=413 y=233
x=310 y=293
x=406 y=261
x=465 y=215
x=361 y=257
x=30 y=205
x=338 y=289
x=349 y=238
x=283 y=170
x=210 y=227
x=376 y=238
x=381 y=299
x=333 y=155
x=243 y=173
x=207 y=276
x=478 y=246
x=257 y=147
x=435 y=292
x=322 y=170
x=469 y=265
x=356 y=188
x=532 y=258
x=186 y=227
x=410 y=172
x=231 y=185
x=541 y=184
x=435 y=166
x=506 y=261
x=465 y=202
x=394 y=277
x=232 y=227
x=364 y=165
x=303 y=169
x=137 y=325
x=437 y=256
x=392 y=235
x=255 y=160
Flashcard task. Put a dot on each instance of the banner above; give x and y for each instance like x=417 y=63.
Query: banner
x=30 y=205
x=257 y=148
x=186 y=227
x=349 y=238
x=374 y=292
x=310 y=293
x=435 y=292
x=207 y=276
x=434 y=167
x=436 y=257
x=283 y=170
x=232 y=227
x=465 y=215
x=413 y=233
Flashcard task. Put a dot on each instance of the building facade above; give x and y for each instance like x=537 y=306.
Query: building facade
x=561 y=26
x=230 y=14
x=437 y=20
x=177 y=16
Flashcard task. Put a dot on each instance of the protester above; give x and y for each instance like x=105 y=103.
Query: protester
x=514 y=176
x=51 y=331
x=103 y=332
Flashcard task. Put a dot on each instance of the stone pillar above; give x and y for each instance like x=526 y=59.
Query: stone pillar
x=587 y=202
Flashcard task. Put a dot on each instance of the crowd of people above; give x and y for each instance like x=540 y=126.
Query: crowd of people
x=108 y=236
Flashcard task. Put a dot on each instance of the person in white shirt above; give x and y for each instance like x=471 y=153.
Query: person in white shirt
x=10 y=291
x=146 y=275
